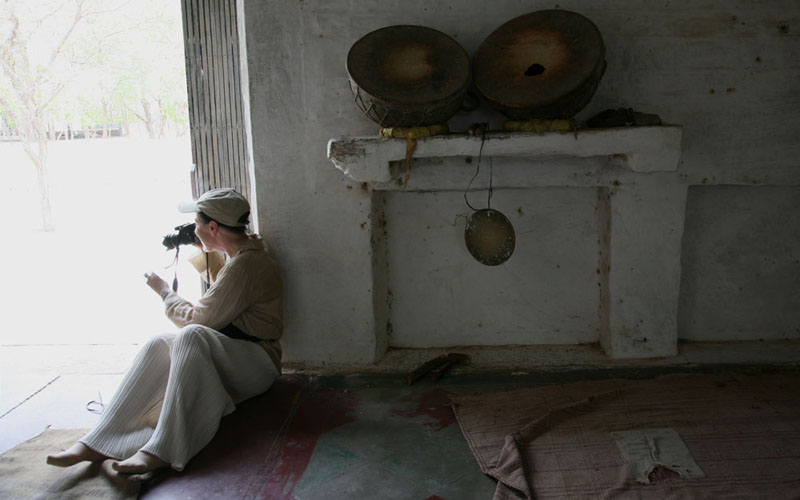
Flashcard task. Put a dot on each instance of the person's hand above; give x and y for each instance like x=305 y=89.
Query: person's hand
x=155 y=282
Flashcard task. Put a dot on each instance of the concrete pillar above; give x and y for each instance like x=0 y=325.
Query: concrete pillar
x=640 y=268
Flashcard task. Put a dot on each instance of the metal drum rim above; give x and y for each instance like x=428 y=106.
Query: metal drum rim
x=595 y=72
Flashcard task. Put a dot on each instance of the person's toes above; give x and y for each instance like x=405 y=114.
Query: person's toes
x=129 y=467
x=62 y=459
x=123 y=481
x=139 y=463
x=78 y=452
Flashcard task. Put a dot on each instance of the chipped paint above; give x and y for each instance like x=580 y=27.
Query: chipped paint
x=318 y=414
x=434 y=404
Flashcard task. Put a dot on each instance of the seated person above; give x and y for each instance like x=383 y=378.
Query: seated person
x=169 y=404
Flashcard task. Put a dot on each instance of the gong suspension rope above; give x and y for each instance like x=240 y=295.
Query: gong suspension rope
x=485 y=127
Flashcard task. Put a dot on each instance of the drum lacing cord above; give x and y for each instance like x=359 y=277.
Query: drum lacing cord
x=484 y=127
x=411 y=145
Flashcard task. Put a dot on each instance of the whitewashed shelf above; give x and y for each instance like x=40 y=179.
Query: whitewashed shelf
x=644 y=149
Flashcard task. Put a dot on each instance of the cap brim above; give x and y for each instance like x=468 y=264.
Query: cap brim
x=188 y=207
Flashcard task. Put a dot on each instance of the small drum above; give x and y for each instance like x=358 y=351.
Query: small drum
x=408 y=76
x=542 y=65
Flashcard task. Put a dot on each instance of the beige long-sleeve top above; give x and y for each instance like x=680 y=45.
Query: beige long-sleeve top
x=247 y=292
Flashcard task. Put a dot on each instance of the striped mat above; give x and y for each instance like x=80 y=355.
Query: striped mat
x=562 y=441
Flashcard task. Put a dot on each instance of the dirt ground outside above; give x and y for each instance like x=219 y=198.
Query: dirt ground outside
x=113 y=200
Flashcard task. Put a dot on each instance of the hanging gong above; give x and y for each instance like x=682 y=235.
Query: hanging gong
x=408 y=76
x=542 y=65
x=489 y=236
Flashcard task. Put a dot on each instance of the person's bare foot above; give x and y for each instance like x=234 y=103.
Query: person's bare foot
x=139 y=463
x=78 y=452
x=125 y=482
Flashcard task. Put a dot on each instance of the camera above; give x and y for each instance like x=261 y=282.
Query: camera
x=183 y=235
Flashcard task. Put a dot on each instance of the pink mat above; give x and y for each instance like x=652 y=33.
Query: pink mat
x=556 y=442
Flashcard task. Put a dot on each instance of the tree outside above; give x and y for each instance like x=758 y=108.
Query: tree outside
x=95 y=155
x=85 y=70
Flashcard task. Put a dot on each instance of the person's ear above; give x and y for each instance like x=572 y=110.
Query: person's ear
x=213 y=226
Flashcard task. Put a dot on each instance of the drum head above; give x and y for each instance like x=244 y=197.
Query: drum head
x=537 y=59
x=409 y=65
x=489 y=236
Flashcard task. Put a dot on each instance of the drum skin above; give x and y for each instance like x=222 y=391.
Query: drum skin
x=542 y=65
x=408 y=76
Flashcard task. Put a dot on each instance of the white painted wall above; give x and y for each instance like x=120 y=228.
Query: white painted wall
x=741 y=258
x=726 y=71
x=546 y=293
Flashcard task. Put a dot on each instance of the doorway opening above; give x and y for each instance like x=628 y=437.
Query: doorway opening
x=114 y=163
x=96 y=153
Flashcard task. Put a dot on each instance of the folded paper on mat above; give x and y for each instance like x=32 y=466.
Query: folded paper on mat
x=646 y=449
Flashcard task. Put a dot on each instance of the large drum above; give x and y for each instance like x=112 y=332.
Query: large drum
x=408 y=76
x=544 y=65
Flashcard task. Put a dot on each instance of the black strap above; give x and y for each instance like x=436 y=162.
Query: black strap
x=235 y=332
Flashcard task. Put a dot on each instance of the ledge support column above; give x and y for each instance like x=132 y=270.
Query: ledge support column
x=640 y=269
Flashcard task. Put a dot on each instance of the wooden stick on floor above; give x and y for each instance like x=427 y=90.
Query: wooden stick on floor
x=443 y=363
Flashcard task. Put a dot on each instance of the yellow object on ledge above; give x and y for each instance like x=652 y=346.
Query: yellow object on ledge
x=414 y=132
x=540 y=126
x=411 y=134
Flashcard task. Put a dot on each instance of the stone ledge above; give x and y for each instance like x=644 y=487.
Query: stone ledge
x=643 y=149
x=538 y=358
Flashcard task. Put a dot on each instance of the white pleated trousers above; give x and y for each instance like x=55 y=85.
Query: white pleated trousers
x=179 y=387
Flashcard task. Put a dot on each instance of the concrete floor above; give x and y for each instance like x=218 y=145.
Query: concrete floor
x=321 y=435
